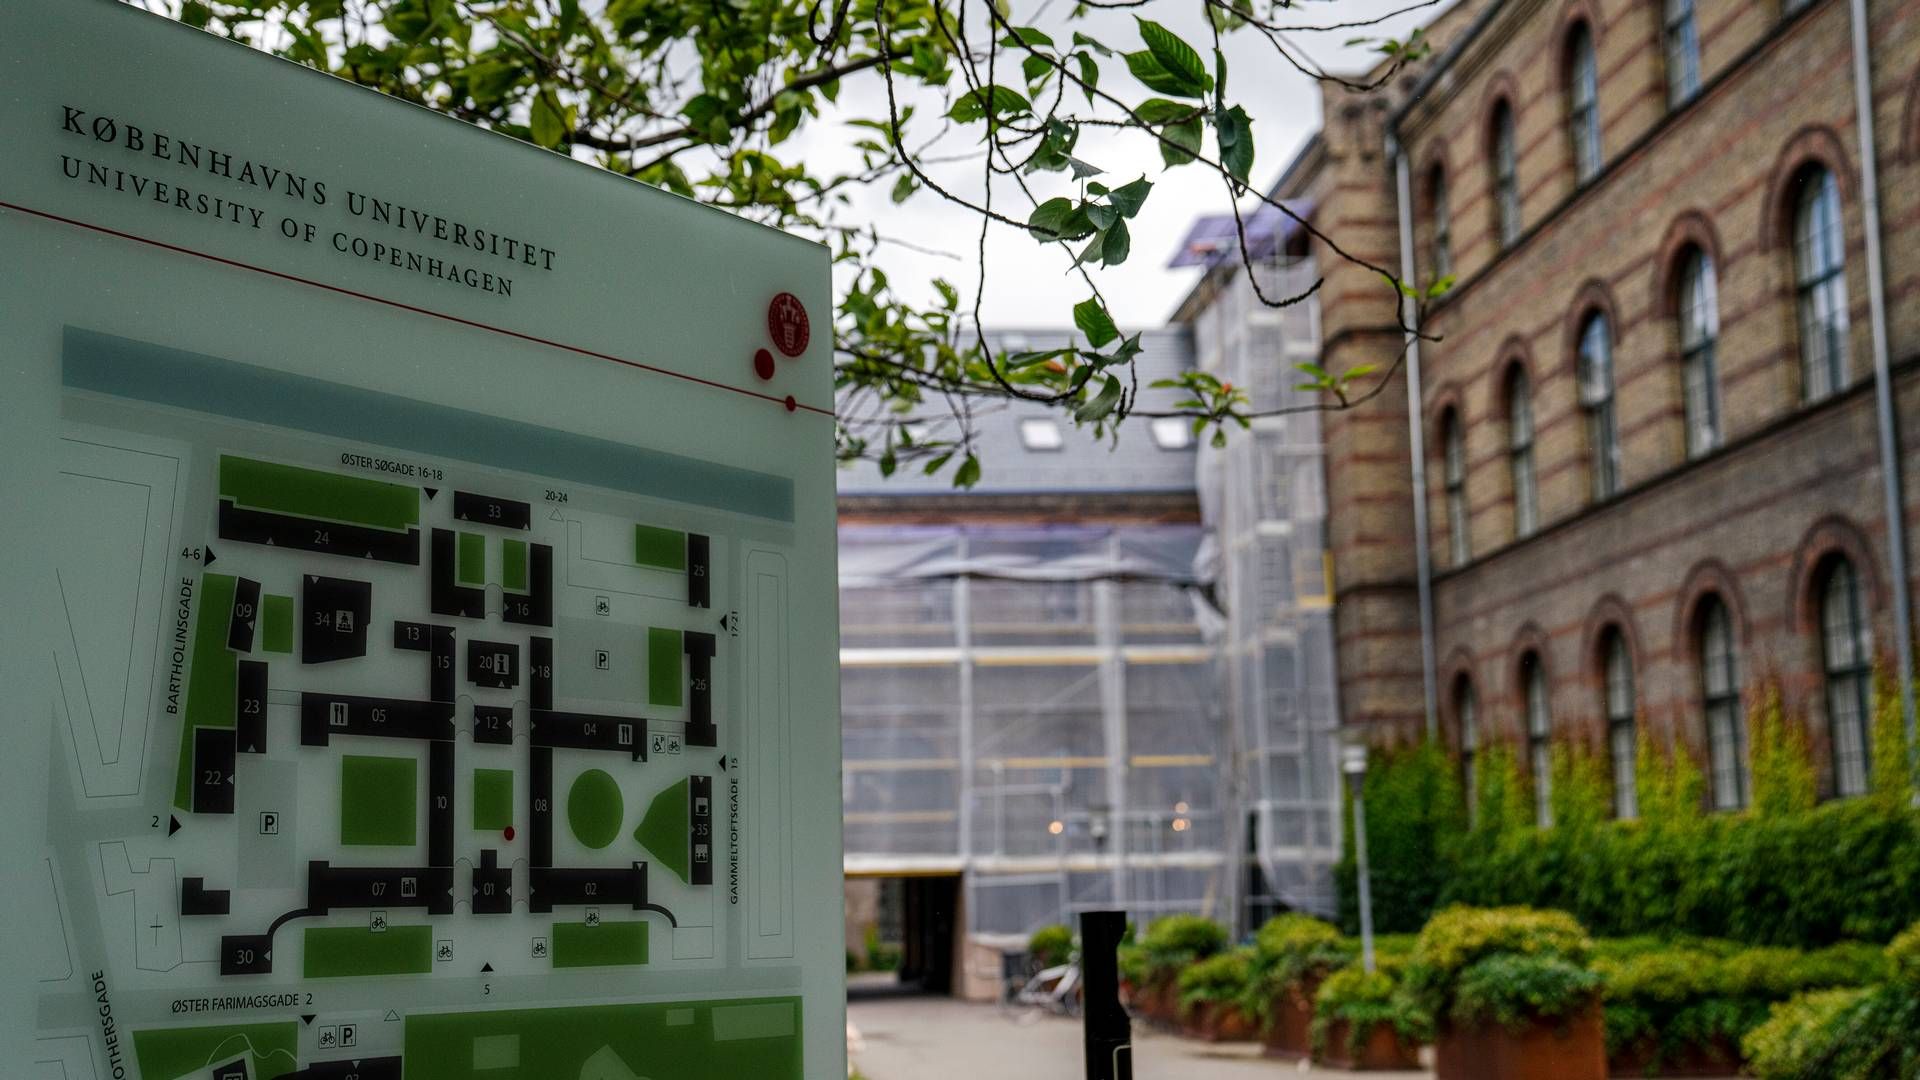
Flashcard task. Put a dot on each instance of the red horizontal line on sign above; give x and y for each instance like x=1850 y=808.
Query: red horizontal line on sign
x=429 y=312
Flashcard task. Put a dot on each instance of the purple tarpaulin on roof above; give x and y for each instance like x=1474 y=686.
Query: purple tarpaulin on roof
x=1215 y=237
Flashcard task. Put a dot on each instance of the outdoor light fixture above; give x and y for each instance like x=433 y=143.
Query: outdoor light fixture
x=1181 y=824
x=1353 y=762
x=1056 y=827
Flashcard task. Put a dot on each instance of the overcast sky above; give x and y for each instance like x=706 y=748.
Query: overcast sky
x=1027 y=285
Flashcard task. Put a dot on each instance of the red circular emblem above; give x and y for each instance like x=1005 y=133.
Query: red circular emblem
x=787 y=324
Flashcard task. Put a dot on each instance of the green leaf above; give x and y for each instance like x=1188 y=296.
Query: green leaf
x=569 y=18
x=1358 y=371
x=1440 y=287
x=936 y=464
x=549 y=127
x=1082 y=39
x=1162 y=111
x=888 y=463
x=1027 y=35
x=1036 y=68
x=1089 y=73
x=973 y=104
x=1130 y=197
x=1311 y=370
x=1185 y=142
x=968 y=474
x=1150 y=71
x=1101 y=404
x=1090 y=315
x=1118 y=244
x=904 y=187
x=1235 y=130
x=1175 y=55
x=1058 y=219
x=1102 y=217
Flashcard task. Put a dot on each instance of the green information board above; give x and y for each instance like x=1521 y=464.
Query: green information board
x=421 y=634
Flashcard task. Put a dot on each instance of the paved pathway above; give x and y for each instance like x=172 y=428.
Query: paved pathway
x=931 y=1038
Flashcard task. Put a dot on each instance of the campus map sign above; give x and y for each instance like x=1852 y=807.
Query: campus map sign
x=420 y=611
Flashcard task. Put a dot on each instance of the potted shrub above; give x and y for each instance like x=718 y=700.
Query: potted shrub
x=1511 y=995
x=1172 y=944
x=1363 y=1021
x=1865 y=1033
x=1211 y=992
x=1683 y=1009
x=1291 y=954
x=1051 y=946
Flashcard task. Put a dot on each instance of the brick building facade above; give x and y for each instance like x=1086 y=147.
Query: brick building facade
x=1653 y=469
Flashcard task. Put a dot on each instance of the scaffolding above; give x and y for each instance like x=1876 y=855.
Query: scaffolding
x=1138 y=716
x=1037 y=709
x=1263 y=496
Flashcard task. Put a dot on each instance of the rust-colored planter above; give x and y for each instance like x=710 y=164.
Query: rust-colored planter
x=1289 y=1032
x=1212 y=1021
x=1156 y=1002
x=1383 y=1048
x=1569 y=1048
x=1717 y=1058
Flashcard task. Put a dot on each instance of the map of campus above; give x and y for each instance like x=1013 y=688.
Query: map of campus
x=372 y=764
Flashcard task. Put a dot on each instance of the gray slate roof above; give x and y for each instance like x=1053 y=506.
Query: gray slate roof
x=1082 y=465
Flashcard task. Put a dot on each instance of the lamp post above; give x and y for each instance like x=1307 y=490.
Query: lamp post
x=1353 y=762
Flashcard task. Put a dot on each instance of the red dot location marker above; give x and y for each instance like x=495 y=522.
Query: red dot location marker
x=508 y=833
x=763 y=364
x=787 y=323
x=791 y=404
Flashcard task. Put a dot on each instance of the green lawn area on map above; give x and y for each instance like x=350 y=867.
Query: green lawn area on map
x=756 y=1039
x=492 y=799
x=663 y=832
x=595 y=809
x=174 y=1053
x=378 y=797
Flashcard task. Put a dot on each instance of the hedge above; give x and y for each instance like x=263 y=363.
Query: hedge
x=1870 y=1033
x=1666 y=999
x=1786 y=872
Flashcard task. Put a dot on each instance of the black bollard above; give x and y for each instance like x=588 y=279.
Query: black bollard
x=1108 y=1033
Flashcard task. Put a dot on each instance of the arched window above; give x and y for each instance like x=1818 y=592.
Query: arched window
x=1683 y=52
x=1596 y=397
x=1720 y=693
x=1583 y=103
x=1699 y=333
x=1533 y=692
x=1460 y=546
x=1820 y=284
x=1467 y=708
x=1621 y=738
x=1442 y=254
x=1506 y=174
x=1526 y=495
x=1846 y=648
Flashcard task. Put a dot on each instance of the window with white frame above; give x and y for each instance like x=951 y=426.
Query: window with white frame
x=1506 y=174
x=1442 y=254
x=1596 y=398
x=1720 y=695
x=1533 y=688
x=1699 y=334
x=1583 y=103
x=1622 y=741
x=1846 y=647
x=1683 y=52
x=1460 y=546
x=1526 y=495
x=1820 y=284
